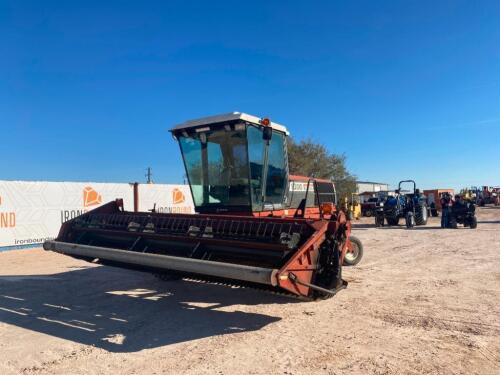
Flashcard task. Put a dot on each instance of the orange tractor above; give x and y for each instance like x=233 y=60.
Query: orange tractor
x=255 y=224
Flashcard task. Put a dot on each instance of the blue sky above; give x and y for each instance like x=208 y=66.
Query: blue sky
x=406 y=89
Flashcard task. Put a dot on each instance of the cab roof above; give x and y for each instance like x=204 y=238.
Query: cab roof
x=232 y=116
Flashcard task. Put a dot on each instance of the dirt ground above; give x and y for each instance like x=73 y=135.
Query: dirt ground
x=421 y=301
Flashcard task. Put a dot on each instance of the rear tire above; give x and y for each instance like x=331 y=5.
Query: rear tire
x=354 y=257
x=368 y=213
x=421 y=215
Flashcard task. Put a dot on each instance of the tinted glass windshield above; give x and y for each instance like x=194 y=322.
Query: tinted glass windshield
x=226 y=166
x=256 y=157
x=217 y=167
x=276 y=179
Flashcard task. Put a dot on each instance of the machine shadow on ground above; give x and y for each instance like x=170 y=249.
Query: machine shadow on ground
x=127 y=311
x=431 y=225
x=362 y=226
x=418 y=227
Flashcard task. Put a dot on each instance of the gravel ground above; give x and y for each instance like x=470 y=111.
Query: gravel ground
x=421 y=301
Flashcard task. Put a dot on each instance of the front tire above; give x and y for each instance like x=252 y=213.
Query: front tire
x=453 y=223
x=473 y=223
x=410 y=220
x=354 y=256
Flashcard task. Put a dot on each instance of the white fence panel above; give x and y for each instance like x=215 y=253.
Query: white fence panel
x=166 y=198
x=31 y=212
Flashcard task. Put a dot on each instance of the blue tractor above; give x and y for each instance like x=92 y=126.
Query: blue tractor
x=412 y=207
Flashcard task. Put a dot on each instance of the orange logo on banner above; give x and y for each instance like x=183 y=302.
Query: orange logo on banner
x=178 y=196
x=91 y=197
x=7 y=219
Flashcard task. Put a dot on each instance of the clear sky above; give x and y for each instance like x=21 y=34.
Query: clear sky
x=406 y=89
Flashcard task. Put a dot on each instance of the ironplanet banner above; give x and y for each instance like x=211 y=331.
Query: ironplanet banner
x=33 y=211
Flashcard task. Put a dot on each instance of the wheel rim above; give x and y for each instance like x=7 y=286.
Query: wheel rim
x=350 y=256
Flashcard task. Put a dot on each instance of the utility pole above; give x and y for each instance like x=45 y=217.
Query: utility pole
x=149 y=176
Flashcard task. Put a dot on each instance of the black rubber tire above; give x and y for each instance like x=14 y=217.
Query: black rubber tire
x=473 y=223
x=368 y=213
x=410 y=220
x=421 y=215
x=453 y=223
x=358 y=253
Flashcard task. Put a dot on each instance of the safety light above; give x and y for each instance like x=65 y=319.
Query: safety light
x=265 y=121
x=326 y=208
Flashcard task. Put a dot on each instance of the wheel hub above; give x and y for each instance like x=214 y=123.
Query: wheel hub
x=353 y=254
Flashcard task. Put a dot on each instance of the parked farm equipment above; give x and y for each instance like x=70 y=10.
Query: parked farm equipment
x=256 y=225
x=369 y=206
x=463 y=212
x=351 y=207
x=489 y=195
x=411 y=207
